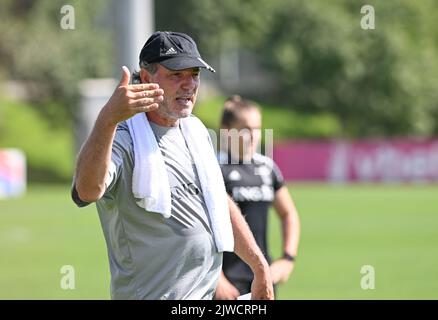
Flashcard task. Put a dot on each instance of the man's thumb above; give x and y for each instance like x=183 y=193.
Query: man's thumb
x=126 y=75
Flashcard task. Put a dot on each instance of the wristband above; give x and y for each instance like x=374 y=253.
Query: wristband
x=288 y=257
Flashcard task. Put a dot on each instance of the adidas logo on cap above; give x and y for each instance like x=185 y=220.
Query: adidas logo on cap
x=171 y=51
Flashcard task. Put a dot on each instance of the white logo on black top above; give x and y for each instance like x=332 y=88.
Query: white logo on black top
x=262 y=171
x=171 y=51
x=256 y=193
x=234 y=176
x=265 y=173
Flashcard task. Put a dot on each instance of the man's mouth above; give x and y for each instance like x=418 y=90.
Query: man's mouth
x=184 y=100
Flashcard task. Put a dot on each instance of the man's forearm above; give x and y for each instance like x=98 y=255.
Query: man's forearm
x=94 y=160
x=245 y=245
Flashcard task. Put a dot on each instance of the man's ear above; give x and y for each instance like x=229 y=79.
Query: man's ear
x=145 y=76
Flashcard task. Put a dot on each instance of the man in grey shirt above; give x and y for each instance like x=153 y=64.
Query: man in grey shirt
x=152 y=257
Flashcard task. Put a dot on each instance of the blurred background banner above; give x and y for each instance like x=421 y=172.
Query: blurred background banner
x=12 y=173
x=390 y=161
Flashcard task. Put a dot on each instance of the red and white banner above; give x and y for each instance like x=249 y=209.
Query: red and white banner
x=12 y=173
x=402 y=160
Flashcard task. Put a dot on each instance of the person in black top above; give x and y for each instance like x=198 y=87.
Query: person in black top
x=254 y=182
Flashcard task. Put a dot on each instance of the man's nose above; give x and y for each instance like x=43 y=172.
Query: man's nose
x=189 y=83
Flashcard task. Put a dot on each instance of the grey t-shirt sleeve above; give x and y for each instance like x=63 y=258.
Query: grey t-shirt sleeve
x=122 y=146
x=121 y=150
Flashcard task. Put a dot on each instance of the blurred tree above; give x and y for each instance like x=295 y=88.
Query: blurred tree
x=376 y=82
x=48 y=59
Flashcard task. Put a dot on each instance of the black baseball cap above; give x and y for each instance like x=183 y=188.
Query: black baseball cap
x=174 y=50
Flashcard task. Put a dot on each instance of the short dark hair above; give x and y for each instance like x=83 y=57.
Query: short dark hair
x=150 y=67
x=233 y=106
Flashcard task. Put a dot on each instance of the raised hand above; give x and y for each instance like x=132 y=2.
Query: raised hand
x=130 y=99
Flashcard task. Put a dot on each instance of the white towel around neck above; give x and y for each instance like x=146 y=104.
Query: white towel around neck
x=150 y=182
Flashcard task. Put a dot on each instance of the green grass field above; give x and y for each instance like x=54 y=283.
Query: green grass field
x=392 y=228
